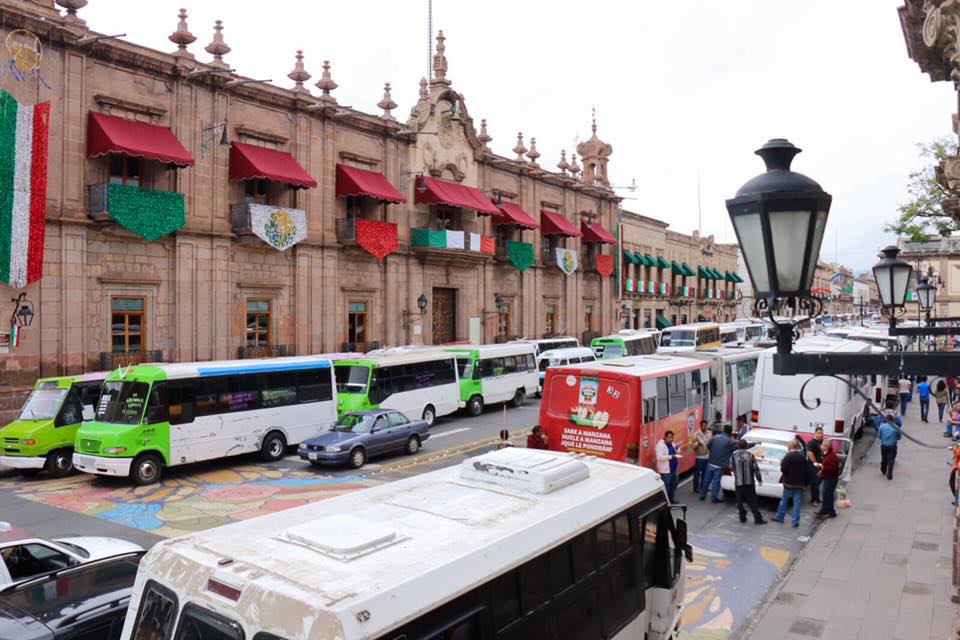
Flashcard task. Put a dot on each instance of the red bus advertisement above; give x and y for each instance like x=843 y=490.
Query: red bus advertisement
x=619 y=409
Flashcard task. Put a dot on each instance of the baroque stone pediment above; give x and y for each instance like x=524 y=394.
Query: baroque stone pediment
x=446 y=144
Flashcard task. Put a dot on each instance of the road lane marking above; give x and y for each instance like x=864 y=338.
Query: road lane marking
x=434 y=436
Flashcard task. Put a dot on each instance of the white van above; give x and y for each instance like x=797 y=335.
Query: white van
x=546 y=344
x=733 y=371
x=776 y=399
x=560 y=357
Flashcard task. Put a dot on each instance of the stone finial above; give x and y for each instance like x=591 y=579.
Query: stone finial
x=440 y=62
x=72 y=6
x=424 y=94
x=573 y=167
x=483 y=136
x=326 y=85
x=520 y=149
x=387 y=103
x=593 y=121
x=299 y=75
x=218 y=48
x=562 y=165
x=182 y=36
x=533 y=154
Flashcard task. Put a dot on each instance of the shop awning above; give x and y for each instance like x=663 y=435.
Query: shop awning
x=352 y=181
x=434 y=191
x=662 y=262
x=663 y=323
x=676 y=268
x=596 y=233
x=701 y=272
x=557 y=224
x=716 y=274
x=248 y=162
x=729 y=277
x=511 y=213
x=110 y=134
x=628 y=257
x=736 y=277
x=687 y=271
x=651 y=261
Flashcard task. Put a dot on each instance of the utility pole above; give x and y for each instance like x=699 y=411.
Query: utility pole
x=429 y=40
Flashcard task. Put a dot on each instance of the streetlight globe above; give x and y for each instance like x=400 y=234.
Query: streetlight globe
x=893 y=278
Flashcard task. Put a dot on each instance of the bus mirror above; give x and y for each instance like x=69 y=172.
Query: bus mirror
x=681 y=539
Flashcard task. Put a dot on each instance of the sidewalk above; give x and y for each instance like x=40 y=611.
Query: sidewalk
x=883 y=568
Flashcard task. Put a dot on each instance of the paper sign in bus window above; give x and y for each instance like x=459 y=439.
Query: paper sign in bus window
x=589 y=387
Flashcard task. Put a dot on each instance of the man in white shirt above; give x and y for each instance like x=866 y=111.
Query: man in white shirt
x=668 y=461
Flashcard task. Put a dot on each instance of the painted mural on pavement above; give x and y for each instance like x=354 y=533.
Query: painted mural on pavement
x=725 y=581
x=182 y=504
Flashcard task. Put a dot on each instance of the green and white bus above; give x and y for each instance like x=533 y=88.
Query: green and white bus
x=155 y=416
x=628 y=342
x=42 y=436
x=422 y=384
x=496 y=373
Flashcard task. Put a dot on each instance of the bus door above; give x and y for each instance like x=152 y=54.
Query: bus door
x=648 y=434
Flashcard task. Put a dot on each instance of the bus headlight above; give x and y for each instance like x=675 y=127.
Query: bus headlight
x=332 y=449
x=115 y=450
x=29 y=442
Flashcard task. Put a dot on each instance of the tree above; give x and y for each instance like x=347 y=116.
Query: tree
x=933 y=205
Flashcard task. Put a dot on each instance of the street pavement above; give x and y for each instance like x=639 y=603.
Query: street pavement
x=734 y=567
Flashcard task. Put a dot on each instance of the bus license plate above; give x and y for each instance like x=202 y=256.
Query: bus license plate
x=85 y=461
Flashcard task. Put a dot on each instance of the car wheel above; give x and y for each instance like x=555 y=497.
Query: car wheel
x=429 y=415
x=518 y=398
x=475 y=406
x=273 y=447
x=59 y=463
x=146 y=469
x=413 y=445
x=358 y=457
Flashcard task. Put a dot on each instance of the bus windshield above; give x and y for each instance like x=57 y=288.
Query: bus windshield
x=122 y=402
x=353 y=423
x=42 y=404
x=352 y=379
x=465 y=365
x=685 y=338
x=612 y=351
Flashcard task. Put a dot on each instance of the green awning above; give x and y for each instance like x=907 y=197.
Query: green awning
x=702 y=318
x=651 y=261
x=662 y=262
x=687 y=271
x=677 y=269
x=716 y=274
x=702 y=272
x=628 y=257
x=663 y=323
x=737 y=276
x=729 y=277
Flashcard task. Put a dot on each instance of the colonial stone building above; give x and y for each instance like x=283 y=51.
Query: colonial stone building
x=942 y=257
x=195 y=214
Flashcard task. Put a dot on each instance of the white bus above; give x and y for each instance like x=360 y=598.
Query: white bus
x=776 y=403
x=422 y=384
x=733 y=370
x=561 y=357
x=626 y=342
x=514 y=545
x=495 y=373
x=546 y=344
x=690 y=337
x=730 y=333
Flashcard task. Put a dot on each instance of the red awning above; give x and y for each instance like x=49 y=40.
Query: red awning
x=557 y=224
x=110 y=134
x=512 y=214
x=595 y=233
x=248 y=162
x=433 y=191
x=361 y=182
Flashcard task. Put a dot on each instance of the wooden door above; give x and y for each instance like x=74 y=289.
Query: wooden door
x=444 y=315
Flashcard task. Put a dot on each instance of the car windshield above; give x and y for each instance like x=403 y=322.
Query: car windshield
x=352 y=379
x=42 y=404
x=679 y=339
x=612 y=351
x=771 y=451
x=353 y=423
x=77 y=549
x=122 y=402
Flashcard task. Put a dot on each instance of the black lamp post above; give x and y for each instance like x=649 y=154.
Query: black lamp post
x=422 y=303
x=22 y=311
x=926 y=295
x=893 y=279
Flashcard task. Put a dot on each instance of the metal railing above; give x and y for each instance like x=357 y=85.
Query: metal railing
x=360 y=347
x=346 y=231
x=111 y=360
x=263 y=351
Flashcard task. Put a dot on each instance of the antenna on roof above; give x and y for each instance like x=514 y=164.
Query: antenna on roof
x=429 y=39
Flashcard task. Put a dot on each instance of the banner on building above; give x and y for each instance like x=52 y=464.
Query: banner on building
x=520 y=255
x=379 y=239
x=280 y=228
x=567 y=260
x=604 y=265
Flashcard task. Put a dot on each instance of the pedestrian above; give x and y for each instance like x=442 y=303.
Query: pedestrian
x=793 y=468
x=504 y=440
x=942 y=397
x=814 y=455
x=906 y=389
x=745 y=472
x=537 y=439
x=889 y=435
x=700 y=445
x=717 y=425
x=923 y=392
x=742 y=427
x=952 y=388
x=953 y=423
x=668 y=461
x=955 y=464
x=829 y=477
x=721 y=448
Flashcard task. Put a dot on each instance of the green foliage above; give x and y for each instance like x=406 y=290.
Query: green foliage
x=923 y=215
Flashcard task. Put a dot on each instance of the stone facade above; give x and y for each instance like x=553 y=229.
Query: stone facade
x=943 y=257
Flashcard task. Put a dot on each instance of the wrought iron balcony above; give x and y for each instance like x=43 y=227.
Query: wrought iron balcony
x=451 y=246
x=346 y=231
x=359 y=347
x=280 y=227
x=263 y=351
x=111 y=360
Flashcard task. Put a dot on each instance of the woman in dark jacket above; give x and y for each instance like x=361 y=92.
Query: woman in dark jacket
x=830 y=475
x=794 y=470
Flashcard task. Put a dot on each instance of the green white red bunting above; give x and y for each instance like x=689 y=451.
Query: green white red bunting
x=23 y=189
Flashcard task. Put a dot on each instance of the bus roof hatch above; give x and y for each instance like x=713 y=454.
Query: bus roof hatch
x=539 y=472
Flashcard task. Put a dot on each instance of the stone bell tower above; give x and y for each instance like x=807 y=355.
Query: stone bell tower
x=594 y=154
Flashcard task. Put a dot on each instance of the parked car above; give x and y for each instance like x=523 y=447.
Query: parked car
x=361 y=435
x=27 y=558
x=82 y=602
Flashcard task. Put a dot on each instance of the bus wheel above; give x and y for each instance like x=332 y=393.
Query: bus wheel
x=60 y=463
x=273 y=447
x=413 y=445
x=146 y=469
x=358 y=457
x=475 y=406
x=518 y=398
x=429 y=415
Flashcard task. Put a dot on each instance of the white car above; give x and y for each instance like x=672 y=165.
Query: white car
x=29 y=557
x=770 y=447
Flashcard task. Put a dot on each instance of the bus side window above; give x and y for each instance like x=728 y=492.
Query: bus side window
x=678 y=400
x=180 y=399
x=208 y=395
x=649 y=410
x=156 y=614
x=663 y=404
x=158 y=408
x=314 y=386
x=510 y=364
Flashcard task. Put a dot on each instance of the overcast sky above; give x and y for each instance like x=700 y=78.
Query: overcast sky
x=680 y=88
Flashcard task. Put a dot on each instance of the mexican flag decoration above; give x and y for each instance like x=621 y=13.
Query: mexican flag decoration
x=23 y=189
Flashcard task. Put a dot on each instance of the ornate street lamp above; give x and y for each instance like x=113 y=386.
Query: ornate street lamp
x=499 y=303
x=422 y=303
x=779 y=218
x=893 y=278
x=22 y=311
x=926 y=295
